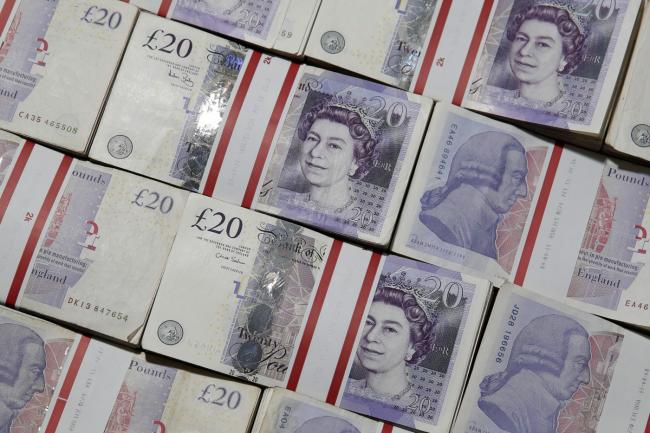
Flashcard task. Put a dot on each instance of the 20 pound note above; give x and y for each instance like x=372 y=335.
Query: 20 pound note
x=90 y=242
x=489 y=198
x=342 y=155
x=280 y=305
x=544 y=367
x=57 y=63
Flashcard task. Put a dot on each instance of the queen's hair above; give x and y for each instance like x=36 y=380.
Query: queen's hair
x=14 y=338
x=541 y=345
x=421 y=330
x=364 y=144
x=481 y=160
x=574 y=43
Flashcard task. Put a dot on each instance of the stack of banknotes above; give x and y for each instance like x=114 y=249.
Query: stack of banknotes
x=57 y=62
x=266 y=300
x=547 y=368
x=321 y=148
x=490 y=199
x=552 y=65
x=629 y=132
x=298 y=241
x=277 y=25
x=82 y=243
x=57 y=381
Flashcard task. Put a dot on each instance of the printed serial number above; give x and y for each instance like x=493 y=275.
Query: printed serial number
x=84 y=305
x=630 y=303
x=52 y=124
x=507 y=334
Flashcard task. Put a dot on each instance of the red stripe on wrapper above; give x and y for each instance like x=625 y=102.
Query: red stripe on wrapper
x=536 y=222
x=355 y=321
x=68 y=382
x=314 y=314
x=5 y=12
x=472 y=52
x=14 y=178
x=427 y=62
x=35 y=234
x=164 y=8
x=387 y=428
x=268 y=135
x=229 y=126
x=647 y=426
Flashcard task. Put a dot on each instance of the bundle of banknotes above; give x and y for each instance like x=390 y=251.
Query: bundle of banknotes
x=547 y=368
x=82 y=243
x=629 y=132
x=57 y=63
x=490 y=199
x=318 y=147
x=277 y=25
x=268 y=301
x=57 y=381
x=552 y=65
x=232 y=195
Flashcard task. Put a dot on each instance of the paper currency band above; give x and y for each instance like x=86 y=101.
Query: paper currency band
x=37 y=228
x=231 y=121
x=5 y=13
x=432 y=47
x=267 y=138
x=353 y=328
x=272 y=127
x=538 y=214
x=314 y=314
x=16 y=173
x=356 y=317
x=434 y=42
x=68 y=382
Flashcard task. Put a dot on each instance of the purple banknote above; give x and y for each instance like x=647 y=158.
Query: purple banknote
x=409 y=344
x=547 y=370
x=551 y=62
x=343 y=155
x=480 y=188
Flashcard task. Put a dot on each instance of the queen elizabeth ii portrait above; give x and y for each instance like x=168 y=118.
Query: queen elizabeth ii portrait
x=399 y=333
x=547 y=39
x=337 y=145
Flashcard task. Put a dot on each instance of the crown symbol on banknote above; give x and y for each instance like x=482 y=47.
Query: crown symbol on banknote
x=428 y=298
x=373 y=125
x=579 y=19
